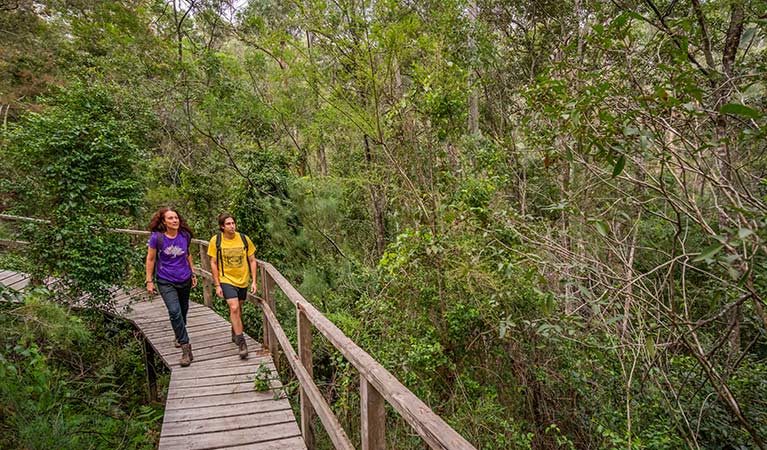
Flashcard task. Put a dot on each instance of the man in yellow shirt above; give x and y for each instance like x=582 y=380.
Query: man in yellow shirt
x=228 y=251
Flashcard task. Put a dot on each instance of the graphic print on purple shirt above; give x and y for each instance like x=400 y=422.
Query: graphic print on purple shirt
x=173 y=264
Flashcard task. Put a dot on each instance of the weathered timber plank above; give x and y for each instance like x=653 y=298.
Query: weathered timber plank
x=219 y=400
x=16 y=281
x=206 y=391
x=186 y=414
x=223 y=439
x=239 y=375
x=210 y=425
x=6 y=274
x=282 y=444
x=247 y=366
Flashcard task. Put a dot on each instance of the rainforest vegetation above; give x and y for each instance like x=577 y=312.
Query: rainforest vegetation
x=547 y=218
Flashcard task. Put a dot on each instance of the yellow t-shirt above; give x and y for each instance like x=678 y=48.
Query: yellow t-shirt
x=236 y=267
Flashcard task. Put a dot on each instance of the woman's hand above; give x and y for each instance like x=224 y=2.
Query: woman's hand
x=150 y=287
x=194 y=281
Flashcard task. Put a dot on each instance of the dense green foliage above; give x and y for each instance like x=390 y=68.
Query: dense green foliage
x=548 y=219
x=71 y=381
x=76 y=163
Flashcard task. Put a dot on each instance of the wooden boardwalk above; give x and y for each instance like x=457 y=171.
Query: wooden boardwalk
x=212 y=404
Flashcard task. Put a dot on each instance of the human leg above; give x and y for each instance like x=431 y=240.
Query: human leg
x=235 y=314
x=170 y=296
x=184 y=289
x=234 y=298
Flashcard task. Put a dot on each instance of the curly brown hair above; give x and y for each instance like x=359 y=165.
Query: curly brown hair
x=157 y=222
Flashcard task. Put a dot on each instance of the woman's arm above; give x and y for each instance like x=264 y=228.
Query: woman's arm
x=191 y=267
x=151 y=256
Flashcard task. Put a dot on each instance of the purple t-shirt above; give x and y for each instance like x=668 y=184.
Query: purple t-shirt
x=173 y=264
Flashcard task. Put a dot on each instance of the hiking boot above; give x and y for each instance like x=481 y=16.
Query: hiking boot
x=234 y=336
x=176 y=344
x=186 y=354
x=243 y=347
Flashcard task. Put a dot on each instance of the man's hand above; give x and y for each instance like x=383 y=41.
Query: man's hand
x=253 y=287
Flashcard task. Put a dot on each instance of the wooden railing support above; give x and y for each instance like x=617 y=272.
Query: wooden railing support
x=305 y=355
x=151 y=370
x=267 y=295
x=207 y=286
x=373 y=417
x=333 y=427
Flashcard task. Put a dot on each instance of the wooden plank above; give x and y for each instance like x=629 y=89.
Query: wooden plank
x=238 y=422
x=20 y=284
x=223 y=439
x=229 y=364
x=219 y=400
x=281 y=444
x=205 y=391
x=4 y=274
x=212 y=412
x=190 y=383
x=215 y=372
x=13 y=279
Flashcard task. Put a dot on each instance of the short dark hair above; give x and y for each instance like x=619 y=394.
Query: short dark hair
x=222 y=218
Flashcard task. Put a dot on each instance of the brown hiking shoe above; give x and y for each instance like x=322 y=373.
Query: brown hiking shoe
x=243 y=347
x=186 y=354
x=234 y=337
x=176 y=344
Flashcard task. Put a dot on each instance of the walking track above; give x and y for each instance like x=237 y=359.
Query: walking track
x=212 y=404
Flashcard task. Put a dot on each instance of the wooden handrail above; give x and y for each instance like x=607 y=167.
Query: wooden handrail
x=332 y=425
x=432 y=429
x=377 y=383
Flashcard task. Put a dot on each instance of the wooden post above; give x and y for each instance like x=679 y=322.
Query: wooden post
x=267 y=293
x=207 y=286
x=373 y=417
x=151 y=370
x=305 y=354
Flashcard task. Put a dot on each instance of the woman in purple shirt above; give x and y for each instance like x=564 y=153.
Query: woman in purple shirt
x=169 y=260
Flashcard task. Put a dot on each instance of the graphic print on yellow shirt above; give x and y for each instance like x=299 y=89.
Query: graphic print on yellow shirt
x=236 y=267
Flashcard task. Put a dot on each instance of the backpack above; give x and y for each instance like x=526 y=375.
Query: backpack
x=219 y=255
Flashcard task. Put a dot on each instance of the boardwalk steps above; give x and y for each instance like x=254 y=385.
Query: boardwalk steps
x=212 y=403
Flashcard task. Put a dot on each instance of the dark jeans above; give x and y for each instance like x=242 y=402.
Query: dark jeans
x=176 y=298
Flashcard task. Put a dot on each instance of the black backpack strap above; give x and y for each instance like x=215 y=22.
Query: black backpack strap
x=244 y=244
x=219 y=259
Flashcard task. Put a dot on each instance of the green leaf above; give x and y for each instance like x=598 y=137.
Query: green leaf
x=708 y=253
x=602 y=228
x=650 y=346
x=744 y=233
x=619 y=164
x=740 y=110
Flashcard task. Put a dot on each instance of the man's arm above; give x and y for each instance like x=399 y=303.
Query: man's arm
x=253 y=272
x=214 y=272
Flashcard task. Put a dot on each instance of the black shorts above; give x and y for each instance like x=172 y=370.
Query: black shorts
x=234 y=292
